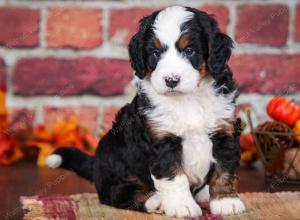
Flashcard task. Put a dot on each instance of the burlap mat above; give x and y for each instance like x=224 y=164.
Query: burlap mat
x=260 y=206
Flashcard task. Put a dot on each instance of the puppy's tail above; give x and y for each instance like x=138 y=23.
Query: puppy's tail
x=74 y=160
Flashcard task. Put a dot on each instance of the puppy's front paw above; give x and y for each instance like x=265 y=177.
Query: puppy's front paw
x=153 y=203
x=180 y=205
x=227 y=206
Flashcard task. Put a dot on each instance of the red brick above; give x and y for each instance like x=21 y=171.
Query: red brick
x=221 y=14
x=124 y=23
x=87 y=116
x=297 y=24
x=262 y=24
x=267 y=73
x=19 y=27
x=20 y=119
x=74 y=27
x=109 y=115
x=65 y=77
x=2 y=74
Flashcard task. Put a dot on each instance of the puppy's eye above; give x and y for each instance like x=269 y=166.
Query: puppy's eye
x=189 y=51
x=156 y=53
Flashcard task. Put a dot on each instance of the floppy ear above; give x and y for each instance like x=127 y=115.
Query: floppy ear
x=137 y=43
x=219 y=44
x=219 y=51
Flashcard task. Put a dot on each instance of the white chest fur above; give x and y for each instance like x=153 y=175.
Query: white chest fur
x=197 y=157
x=192 y=117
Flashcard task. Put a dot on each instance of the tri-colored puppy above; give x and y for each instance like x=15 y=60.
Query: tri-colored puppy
x=177 y=142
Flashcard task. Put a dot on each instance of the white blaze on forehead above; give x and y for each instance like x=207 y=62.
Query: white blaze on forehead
x=168 y=22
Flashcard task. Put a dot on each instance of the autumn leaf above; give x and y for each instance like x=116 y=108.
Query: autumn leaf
x=91 y=141
x=9 y=152
x=3 y=113
x=3 y=110
x=62 y=133
x=42 y=133
x=45 y=150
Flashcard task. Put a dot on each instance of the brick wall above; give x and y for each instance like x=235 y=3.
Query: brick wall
x=61 y=57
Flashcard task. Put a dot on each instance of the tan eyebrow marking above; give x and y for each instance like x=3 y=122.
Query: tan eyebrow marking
x=157 y=43
x=203 y=70
x=183 y=41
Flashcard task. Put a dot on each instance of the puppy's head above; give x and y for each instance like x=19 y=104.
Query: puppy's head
x=176 y=47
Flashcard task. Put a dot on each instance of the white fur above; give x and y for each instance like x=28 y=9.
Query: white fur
x=172 y=63
x=203 y=195
x=176 y=197
x=192 y=110
x=167 y=24
x=54 y=161
x=193 y=117
x=153 y=203
x=227 y=206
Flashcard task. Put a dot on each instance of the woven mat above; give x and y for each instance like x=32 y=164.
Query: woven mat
x=260 y=206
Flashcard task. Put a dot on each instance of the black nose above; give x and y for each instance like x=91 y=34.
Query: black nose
x=172 y=82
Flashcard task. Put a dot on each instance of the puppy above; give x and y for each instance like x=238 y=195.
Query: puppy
x=177 y=143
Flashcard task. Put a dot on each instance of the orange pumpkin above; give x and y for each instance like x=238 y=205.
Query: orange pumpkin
x=282 y=109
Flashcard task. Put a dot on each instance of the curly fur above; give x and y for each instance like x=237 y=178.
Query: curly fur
x=165 y=144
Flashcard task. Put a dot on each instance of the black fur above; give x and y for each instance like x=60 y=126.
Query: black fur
x=216 y=47
x=219 y=45
x=152 y=53
x=128 y=152
x=166 y=157
x=137 y=45
x=197 y=57
x=226 y=149
x=210 y=45
x=77 y=161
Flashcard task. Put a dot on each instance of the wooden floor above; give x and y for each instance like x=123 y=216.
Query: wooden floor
x=27 y=179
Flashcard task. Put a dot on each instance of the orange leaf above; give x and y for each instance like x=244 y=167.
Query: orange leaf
x=3 y=110
x=91 y=141
x=8 y=152
x=66 y=139
x=63 y=127
x=42 y=133
x=3 y=113
x=3 y=124
x=45 y=150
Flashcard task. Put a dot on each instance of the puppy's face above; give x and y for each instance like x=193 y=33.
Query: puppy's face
x=173 y=52
x=171 y=49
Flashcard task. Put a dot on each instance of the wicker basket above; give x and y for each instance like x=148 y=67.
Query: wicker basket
x=275 y=178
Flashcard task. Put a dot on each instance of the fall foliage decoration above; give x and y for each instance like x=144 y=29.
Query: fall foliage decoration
x=3 y=112
x=248 y=148
x=41 y=139
x=282 y=109
x=269 y=135
x=277 y=141
x=291 y=163
x=62 y=133
x=273 y=142
x=9 y=152
x=296 y=129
